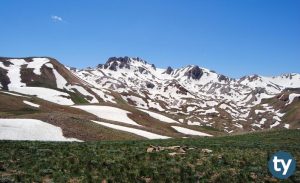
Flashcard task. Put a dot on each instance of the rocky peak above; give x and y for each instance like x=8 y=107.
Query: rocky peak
x=195 y=73
x=169 y=70
x=250 y=78
x=122 y=62
x=223 y=78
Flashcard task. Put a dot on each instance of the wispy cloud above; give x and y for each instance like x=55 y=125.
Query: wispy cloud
x=56 y=18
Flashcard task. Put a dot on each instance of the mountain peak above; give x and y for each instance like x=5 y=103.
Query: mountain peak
x=169 y=70
x=123 y=62
x=195 y=72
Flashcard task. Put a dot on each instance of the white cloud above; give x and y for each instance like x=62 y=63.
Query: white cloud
x=56 y=18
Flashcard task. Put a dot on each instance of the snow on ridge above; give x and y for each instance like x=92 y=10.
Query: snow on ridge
x=13 y=72
x=30 y=129
x=61 y=82
x=31 y=104
x=109 y=113
x=159 y=116
x=189 y=131
x=37 y=64
x=143 y=133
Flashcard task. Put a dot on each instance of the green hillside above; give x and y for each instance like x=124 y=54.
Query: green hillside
x=241 y=158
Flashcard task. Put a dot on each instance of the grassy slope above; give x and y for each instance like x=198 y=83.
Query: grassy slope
x=240 y=158
x=74 y=122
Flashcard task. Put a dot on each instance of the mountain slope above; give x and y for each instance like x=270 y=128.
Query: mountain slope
x=156 y=99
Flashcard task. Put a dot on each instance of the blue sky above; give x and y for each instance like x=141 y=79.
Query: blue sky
x=232 y=37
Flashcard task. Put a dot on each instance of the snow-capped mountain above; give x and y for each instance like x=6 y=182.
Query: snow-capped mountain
x=192 y=96
x=195 y=95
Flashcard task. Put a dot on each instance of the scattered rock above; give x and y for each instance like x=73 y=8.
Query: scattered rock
x=253 y=176
x=172 y=154
x=150 y=149
x=2 y=166
x=173 y=147
x=271 y=179
x=104 y=181
x=146 y=179
x=206 y=151
x=181 y=150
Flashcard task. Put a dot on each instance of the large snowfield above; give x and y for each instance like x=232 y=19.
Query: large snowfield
x=142 y=133
x=30 y=129
x=109 y=113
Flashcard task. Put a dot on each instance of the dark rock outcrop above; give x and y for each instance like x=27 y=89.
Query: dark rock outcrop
x=223 y=78
x=194 y=73
x=4 y=80
x=150 y=85
x=169 y=70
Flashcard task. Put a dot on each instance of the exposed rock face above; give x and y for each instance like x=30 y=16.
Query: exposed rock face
x=150 y=85
x=223 y=78
x=4 y=79
x=168 y=71
x=194 y=73
x=113 y=62
x=153 y=66
x=99 y=66
x=73 y=69
x=259 y=90
x=141 y=70
x=250 y=78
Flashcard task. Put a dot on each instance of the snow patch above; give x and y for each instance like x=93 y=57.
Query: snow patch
x=159 y=116
x=14 y=94
x=61 y=82
x=142 y=133
x=292 y=96
x=275 y=124
x=36 y=64
x=30 y=129
x=109 y=113
x=189 y=131
x=46 y=94
x=104 y=96
x=287 y=126
x=31 y=104
x=13 y=72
